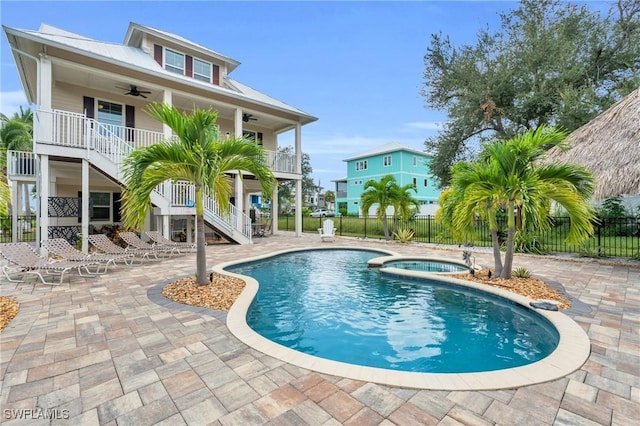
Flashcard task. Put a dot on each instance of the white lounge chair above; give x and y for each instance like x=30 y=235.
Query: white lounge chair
x=327 y=232
x=161 y=241
x=61 y=248
x=28 y=261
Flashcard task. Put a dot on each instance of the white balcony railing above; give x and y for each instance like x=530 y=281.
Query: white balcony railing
x=21 y=163
x=71 y=129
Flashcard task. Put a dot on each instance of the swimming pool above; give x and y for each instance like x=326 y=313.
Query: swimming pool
x=309 y=327
x=424 y=264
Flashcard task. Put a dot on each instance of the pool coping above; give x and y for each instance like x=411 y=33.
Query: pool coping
x=571 y=353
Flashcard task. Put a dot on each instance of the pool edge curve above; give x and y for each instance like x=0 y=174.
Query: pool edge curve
x=571 y=353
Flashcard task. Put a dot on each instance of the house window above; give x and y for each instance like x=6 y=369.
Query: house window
x=425 y=182
x=415 y=161
x=111 y=117
x=201 y=70
x=252 y=136
x=101 y=206
x=415 y=182
x=174 y=61
x=386 y=161
x=361 y=165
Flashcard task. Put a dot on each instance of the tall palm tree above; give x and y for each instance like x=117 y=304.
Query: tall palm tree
x=16 y=133
x=511 y=175
x=199 y=156
x=5 y=195
x=382 y=193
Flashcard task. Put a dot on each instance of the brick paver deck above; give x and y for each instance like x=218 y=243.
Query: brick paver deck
x=111 y=350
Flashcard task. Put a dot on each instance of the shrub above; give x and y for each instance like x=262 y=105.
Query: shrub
x=521 y=273
x=528 y=243
x=404 y=235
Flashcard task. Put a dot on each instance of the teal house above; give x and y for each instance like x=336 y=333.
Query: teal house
x=408 y=165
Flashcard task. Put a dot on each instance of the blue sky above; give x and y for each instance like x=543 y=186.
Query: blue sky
x=357 y=66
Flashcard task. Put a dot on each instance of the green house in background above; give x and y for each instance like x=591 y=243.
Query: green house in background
x=408 y=165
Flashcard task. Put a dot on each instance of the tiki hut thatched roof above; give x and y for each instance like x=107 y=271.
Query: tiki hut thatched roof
x=609 y=147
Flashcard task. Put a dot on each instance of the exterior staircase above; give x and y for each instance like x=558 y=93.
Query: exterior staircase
x=105 y=147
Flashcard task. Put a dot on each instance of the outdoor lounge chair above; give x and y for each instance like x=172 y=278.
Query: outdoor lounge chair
x=105 y=245
x=61 y=248
x=160 y=240
x=327 y=232
x=134 y=242
x=28 y=261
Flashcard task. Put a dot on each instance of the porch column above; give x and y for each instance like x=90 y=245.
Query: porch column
x=43 y=191
x=167 y=98
x=237 y=123
x=84 y=230
x=298 y=149
x=189 y=228
x=166 y=226
x=43 y=129
x=239 y=190
x=274 y=209
x=299 y=208
x=15 y=200
x=45 y=83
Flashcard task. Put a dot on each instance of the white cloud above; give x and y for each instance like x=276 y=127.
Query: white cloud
x=10 y=102
x=425 y=125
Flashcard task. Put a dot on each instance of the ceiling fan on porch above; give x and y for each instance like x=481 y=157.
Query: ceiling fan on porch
x=247 y=117
x=133 y=91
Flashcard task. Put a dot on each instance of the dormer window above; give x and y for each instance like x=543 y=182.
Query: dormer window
x=174 y=61
x=201 y=70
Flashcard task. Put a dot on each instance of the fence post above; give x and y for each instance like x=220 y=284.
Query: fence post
x=599 y=240
x=429 y=229
x=365 y=227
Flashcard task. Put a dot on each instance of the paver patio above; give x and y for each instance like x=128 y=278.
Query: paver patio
x=111 y=350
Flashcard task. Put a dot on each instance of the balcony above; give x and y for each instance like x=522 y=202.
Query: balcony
x=72 y=130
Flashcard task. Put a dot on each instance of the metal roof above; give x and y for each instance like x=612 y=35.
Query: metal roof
x=136 y=58
x=389 y=147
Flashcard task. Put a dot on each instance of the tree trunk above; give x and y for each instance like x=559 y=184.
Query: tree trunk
x=201 y=255
x=511 y=231
x=497 y=256
x=385 y=226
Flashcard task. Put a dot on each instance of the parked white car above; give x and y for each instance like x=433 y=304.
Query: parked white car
x=322 y=213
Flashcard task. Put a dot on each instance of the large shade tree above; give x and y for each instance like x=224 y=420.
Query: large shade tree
x=197 y=155
x=551 y=62
x=510 y=176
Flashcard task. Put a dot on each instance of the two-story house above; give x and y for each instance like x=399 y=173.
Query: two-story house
x=89 y=100
x=407 y=165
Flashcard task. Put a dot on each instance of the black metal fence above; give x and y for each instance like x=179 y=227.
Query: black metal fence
x=26 y=229
x=613 y=237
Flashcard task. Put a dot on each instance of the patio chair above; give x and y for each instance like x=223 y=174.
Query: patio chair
x=160 y=240
x=106 y=246
x=61 y=248
x=28 y=261
x=327 y=232
x=134 y=242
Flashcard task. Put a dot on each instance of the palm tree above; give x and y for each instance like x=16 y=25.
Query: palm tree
x=511 y=175
x=5 y=195
x=17 y=134
x=386 y=193
x=199 y=156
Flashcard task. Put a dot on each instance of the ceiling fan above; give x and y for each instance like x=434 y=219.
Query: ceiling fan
x=247 y=117
x=133 y=91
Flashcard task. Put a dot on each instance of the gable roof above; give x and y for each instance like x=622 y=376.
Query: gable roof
x=135 y=31
x=383 y=149
x=609 y=147
x=137 y=59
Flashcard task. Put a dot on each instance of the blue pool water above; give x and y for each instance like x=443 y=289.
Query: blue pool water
x=327 y=303
x=426 y=265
